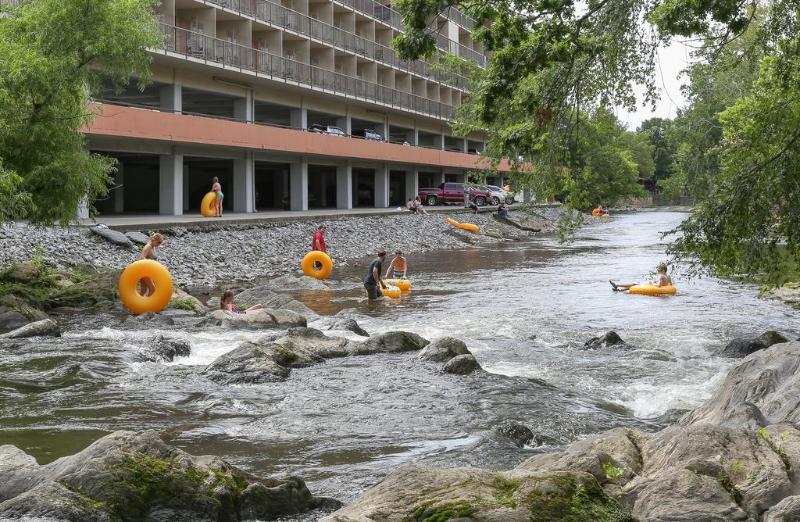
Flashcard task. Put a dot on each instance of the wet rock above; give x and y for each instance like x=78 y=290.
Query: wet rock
x=349 y=325
x=743 y=346
x=250 y=363
x=164 y=349
x=785 y=510
x=292 y=282
x=416 y=493
x=518 y=433
x=149 y=320
x=182 y=300
x=43 y=328
x=461 y=365
x=389 y=342
x=257 y=319
x=444 y=349
x=112 y=236
x=137 y=237
x=136 y=476
x=11 y=319
x=610 y=338
x=763 y=389
x=306 y=346
x=268 y=298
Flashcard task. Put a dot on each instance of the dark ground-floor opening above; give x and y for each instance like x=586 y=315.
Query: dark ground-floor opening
x=397 y=188
x=198 y=174
x=135 y=186
x=363 y=187
x=427 y=179
x=272 y=186
x=321 y=186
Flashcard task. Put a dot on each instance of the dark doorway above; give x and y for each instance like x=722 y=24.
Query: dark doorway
x=198 y=173
x=272 y=186
x=397 y=188
x=363 y=187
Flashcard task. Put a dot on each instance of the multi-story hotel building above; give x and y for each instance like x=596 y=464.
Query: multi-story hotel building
x=242 y=89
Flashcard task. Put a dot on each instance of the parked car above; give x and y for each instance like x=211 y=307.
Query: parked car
x=333 y=130
x=453 y=193
x=368 y=134
x=501 y=195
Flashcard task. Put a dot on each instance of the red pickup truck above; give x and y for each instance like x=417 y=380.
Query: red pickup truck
x=453 y=193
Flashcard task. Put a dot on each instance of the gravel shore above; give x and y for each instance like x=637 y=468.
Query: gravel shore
x=205 y=256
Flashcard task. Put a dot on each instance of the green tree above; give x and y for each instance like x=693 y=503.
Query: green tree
x=53 y=56
x=657 y=131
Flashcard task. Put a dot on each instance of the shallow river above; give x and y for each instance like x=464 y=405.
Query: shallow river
x=524 y=308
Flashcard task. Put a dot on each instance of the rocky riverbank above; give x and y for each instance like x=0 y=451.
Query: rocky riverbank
x=213 y=255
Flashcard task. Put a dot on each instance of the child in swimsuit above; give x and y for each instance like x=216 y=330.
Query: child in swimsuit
x=149 y=252
x=663 y=280
x=398 y=267
x=226 y=303
x=217 y=189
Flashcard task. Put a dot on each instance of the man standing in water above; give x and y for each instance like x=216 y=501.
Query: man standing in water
x=318 y=240
x=374 y=279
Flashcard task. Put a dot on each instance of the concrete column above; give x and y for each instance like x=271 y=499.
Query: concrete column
x=346 y=124
x=243 y=108
x=344 y=187
x=170 y=185
x=299 y=118
x=119 y=190
x=412 y=183
x=463 y=143
x=298 y=185
x=244 y=183
x=382 y=186
x=171 y=98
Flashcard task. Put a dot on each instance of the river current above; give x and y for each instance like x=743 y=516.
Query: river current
x=523 y=308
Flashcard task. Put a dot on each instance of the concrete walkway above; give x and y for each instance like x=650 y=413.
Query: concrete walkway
x=149 y=221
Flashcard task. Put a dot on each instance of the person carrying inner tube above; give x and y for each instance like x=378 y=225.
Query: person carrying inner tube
x=149 y=252
x=663 y=280
x=216 y=188
x=374 y=279
x=398 y=267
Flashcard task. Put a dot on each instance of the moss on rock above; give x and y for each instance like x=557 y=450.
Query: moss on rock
x=572 y=498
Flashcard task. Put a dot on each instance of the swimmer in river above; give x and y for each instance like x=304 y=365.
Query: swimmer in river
x=663 y=280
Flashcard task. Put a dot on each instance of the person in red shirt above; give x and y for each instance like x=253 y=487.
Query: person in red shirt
x=318 y=241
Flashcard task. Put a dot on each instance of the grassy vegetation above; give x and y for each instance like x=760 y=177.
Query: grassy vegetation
x=612 y=471
x=570 y=498
x=182 y=303
x=441 y=513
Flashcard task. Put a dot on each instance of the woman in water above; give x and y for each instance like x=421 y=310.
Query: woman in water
x=226 y=303
x=663 y=280
x=216 y=188
x=149 y=252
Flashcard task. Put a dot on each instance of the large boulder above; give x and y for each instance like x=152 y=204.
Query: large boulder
x=268 y=298
x=349 y=325
x=292 y=282
x=389 y=342
x=112 y=236
x=784 y=511
x=43 y=328
x=444 y=349
x=136 y=476
x=744 y=346
x=610 y=338
x=416 y=494
x=517 y=433
x=763 y=389
x=164 y=349
x=250 y=363
x=461 y=365
x=255 y=320
x=182 y=300
x=11 y=319
x=137 y=237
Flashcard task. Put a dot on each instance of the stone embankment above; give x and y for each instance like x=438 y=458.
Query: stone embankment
x=211 y=255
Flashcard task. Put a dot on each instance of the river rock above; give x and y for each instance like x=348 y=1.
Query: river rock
x=186 y=300
x=11 y=319
x=786 y=510
x=257 y=319
x=349 y=325
x=610 y=338
x=518 y=433
x=292 y=282
x=744 y=346
x=164 y=349
x=136 y=476
x=461 y=365
x=137 y=237
x=43 y=328
x=444 y=349
x=268 y=298
x=306 y=346
x=250 y=363
x=417 y=493
x=767 y=383
x=149 y=320
x=112 y=236
x=517 y=224
x=389 y=342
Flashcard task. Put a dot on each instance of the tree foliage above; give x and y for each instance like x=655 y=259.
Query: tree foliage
x=53 y=55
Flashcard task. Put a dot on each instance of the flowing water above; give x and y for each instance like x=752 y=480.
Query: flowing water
x=524 y=308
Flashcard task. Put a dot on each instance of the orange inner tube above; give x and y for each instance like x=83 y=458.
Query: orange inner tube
x=596 y=212
x=135 y=272
x=316 y=264
x=469 y=227
x=208 y=207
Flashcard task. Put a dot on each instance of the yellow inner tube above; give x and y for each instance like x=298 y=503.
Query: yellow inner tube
x=451 y=221
x=317 y=264
x=392 y=291
x=135 y=272
x=402 y=284
x=469 y=227
x=648 y=289
x=208 y=207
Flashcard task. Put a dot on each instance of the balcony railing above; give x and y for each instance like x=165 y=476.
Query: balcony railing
x=283 y=17
x=204 y=47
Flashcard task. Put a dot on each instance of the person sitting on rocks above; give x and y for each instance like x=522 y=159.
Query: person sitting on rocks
x=374 y=279
x=472 y=206
x=502 y=210
x=411 y=205
x=663 y=280
x=227 y=304
x=398 y=267
x=419 y=208
x=149 y=252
